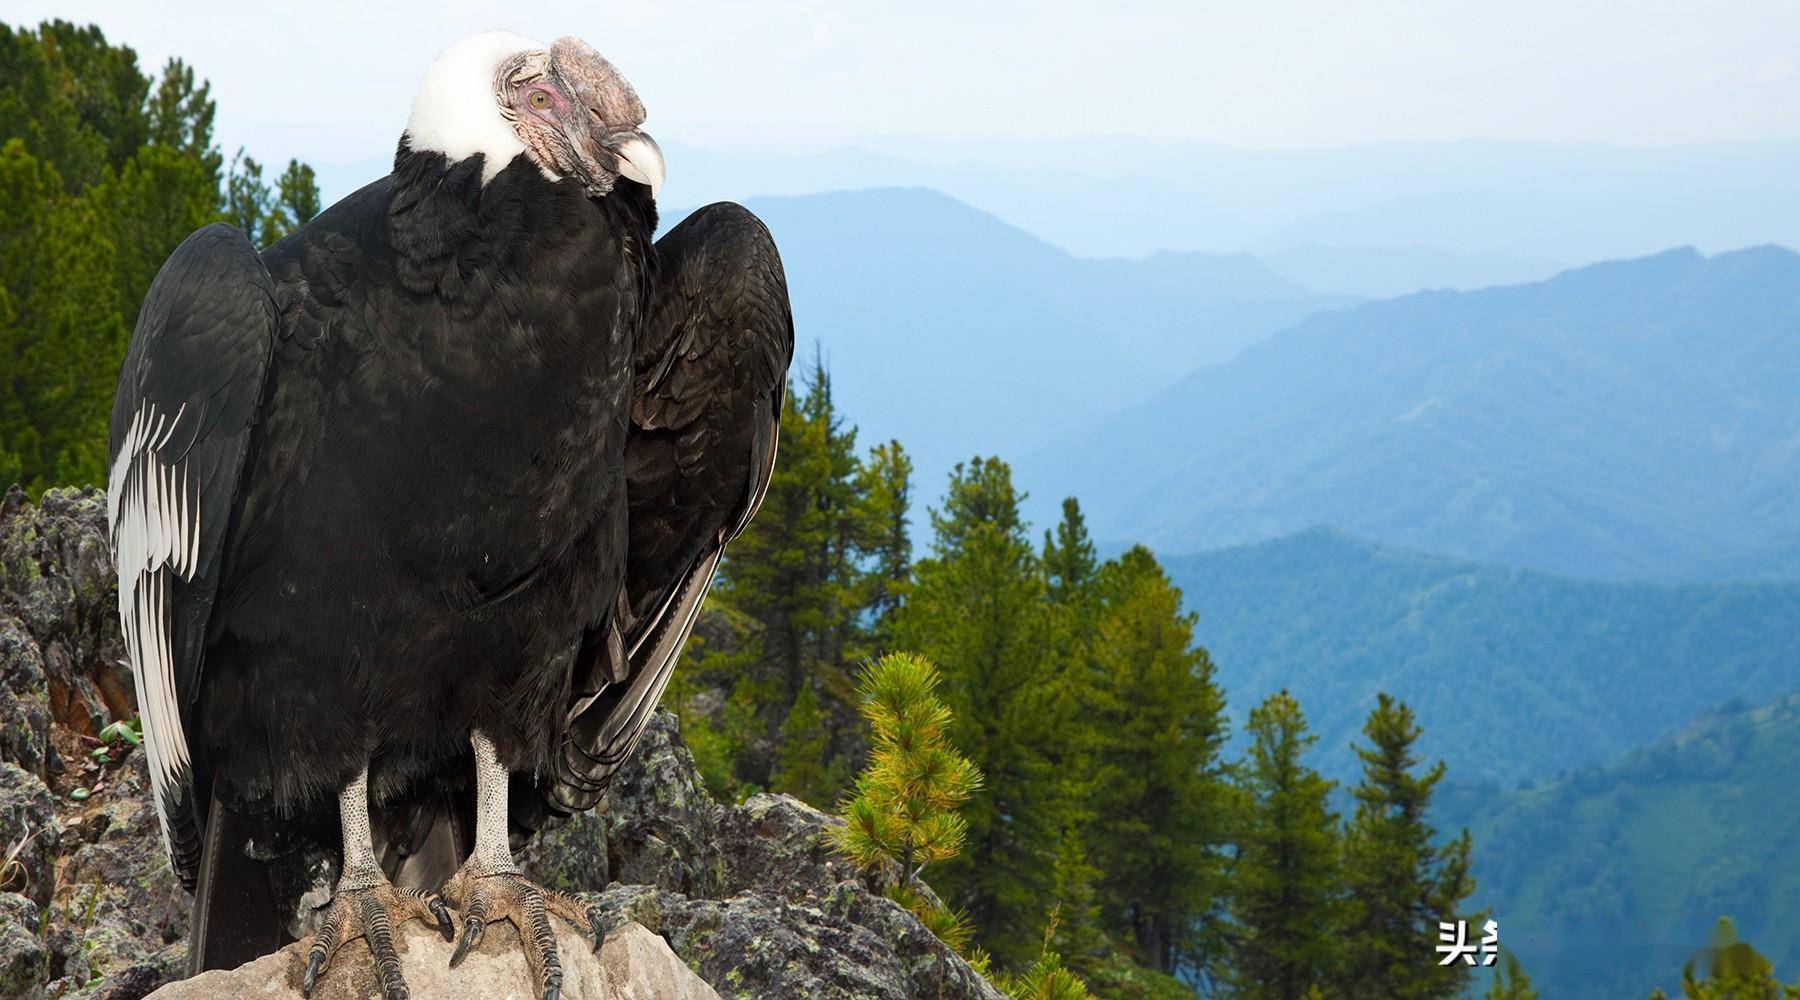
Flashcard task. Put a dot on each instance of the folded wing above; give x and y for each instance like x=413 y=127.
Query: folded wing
x=188 y=395
x=711 y=371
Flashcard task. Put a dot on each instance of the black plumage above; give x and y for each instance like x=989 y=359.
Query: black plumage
x=709 y=377
x=458 y=456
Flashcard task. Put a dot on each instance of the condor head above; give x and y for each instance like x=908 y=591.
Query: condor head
x=563 y=106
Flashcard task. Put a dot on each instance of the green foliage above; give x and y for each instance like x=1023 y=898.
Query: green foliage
x=1519 y=675
x=903 y=815
x=884 y=493
x=1078 y=935
x=181 y=115
x=1619 y=870
x=815 y=581
x=977 y=608
x=788 y=571
x=1734 y=971
x=1068 y=556
x=100 y=178
x=1401 y=884
x=149 y=206
x=1046 y=978
x=1510 y=981
x=1161 y=806
x=1286 y=902
x=73 y=99
x=249 y=201
x=949 y=926
x=905 y=807
x=804 y=767
x=61 y=331
x=296 y=201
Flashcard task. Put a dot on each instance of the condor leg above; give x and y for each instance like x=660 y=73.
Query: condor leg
x=366 y=905
x=488 y=887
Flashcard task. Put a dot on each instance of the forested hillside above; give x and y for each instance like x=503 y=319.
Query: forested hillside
x=1605 y=880
x=1521 y=675
x=104 y=169
x=1628 y=420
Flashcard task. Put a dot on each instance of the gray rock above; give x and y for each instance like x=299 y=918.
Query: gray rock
x=847 y=944
x=775 y=843
x=29 y=835
x=658 y=826
x=138 y=979
x=634 y=964
x=23 y=958
x=752 y=897
x=56 y=579
x=24 y=700
x=116 y=877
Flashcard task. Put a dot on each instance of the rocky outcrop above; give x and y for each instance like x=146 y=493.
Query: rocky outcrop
x=750 y=898
x=634 y=964
x=58 y=608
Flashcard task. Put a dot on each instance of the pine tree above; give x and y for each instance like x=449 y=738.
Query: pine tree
x=1068 y=556
x=249 y=201
x=884 y=495
x=181 y=115
x=792 y=572
x=61 y=334
x=1510 y=981
x=977 y=607
x=802 y=768
x=296 y=201
x=1285 y=903
x=904 y=815
x=1078 y=936
x=148 y=207
x=1401 y=886
x=1161 y=803
x=75 y=100
x=1734 y=971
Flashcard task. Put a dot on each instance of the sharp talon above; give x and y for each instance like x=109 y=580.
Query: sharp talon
x=314 y=965
x=599 y=928
x=442 y=913
x=552 y=993
x=471 y=937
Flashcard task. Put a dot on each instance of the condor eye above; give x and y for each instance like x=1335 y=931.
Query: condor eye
x=539 y=99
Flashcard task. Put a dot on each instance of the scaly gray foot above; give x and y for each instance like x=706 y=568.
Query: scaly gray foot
x=486 y=897
x=372 y=912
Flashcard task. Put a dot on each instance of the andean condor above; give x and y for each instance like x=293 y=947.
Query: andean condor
x=432 y=490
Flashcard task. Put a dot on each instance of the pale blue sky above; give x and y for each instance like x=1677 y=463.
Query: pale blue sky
x=1586 y=129
x=332 y=79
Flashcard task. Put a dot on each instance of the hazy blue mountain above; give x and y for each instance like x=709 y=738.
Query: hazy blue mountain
x=1385 y=272
x=958 y=334
x=1629 y=420
x=1522 y=200
x=1515 y=674
x=1474 y=209
x=1605 y=882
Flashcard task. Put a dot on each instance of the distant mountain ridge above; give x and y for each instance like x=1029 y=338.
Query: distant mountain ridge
x=959 y=334
x=1515 y=675
x=1628 y=420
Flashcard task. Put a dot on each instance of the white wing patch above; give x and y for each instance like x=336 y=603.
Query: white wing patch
x=154 y=511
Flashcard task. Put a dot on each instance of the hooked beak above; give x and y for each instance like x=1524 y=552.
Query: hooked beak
x=611 y=128
x=640 y=159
